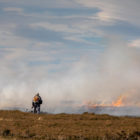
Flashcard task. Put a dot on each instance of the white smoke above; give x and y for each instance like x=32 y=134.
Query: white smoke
x=101 y=79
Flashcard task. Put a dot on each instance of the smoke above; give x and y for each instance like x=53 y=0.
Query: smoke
x=99 y=77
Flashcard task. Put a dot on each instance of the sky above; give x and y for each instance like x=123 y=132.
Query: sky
x=70 y=51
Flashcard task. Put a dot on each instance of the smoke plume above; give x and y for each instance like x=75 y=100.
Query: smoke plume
x=99 y=79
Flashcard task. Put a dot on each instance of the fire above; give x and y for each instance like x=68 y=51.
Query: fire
x=118 y=102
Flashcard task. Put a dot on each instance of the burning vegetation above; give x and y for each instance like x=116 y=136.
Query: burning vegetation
x=120 y=102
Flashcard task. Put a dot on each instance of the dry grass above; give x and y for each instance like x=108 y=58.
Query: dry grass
x=17 y=125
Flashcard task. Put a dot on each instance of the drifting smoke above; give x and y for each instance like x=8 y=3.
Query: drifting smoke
x=100 y=80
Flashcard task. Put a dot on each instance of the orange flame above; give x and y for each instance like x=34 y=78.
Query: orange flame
x=119 y=102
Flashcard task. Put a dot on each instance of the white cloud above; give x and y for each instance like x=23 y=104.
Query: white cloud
x=104 y=16
x=13 y=9
x=7 y=38
x=44 y=3
x=126 y=10
x=135 y=43
x=74 y=31
x=55 y=27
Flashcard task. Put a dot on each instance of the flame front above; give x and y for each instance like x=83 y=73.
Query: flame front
x=118 y=102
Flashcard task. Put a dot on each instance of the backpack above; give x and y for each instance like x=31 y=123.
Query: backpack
x=36 y=99
x=40 y=101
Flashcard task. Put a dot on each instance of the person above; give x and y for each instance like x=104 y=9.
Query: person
x=37 y=101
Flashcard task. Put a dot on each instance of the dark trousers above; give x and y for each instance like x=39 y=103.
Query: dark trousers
x=36 y=108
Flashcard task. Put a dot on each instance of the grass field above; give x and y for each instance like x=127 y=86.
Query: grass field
x=16 y=125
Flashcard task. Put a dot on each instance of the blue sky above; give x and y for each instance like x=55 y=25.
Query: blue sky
x=64 y=41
